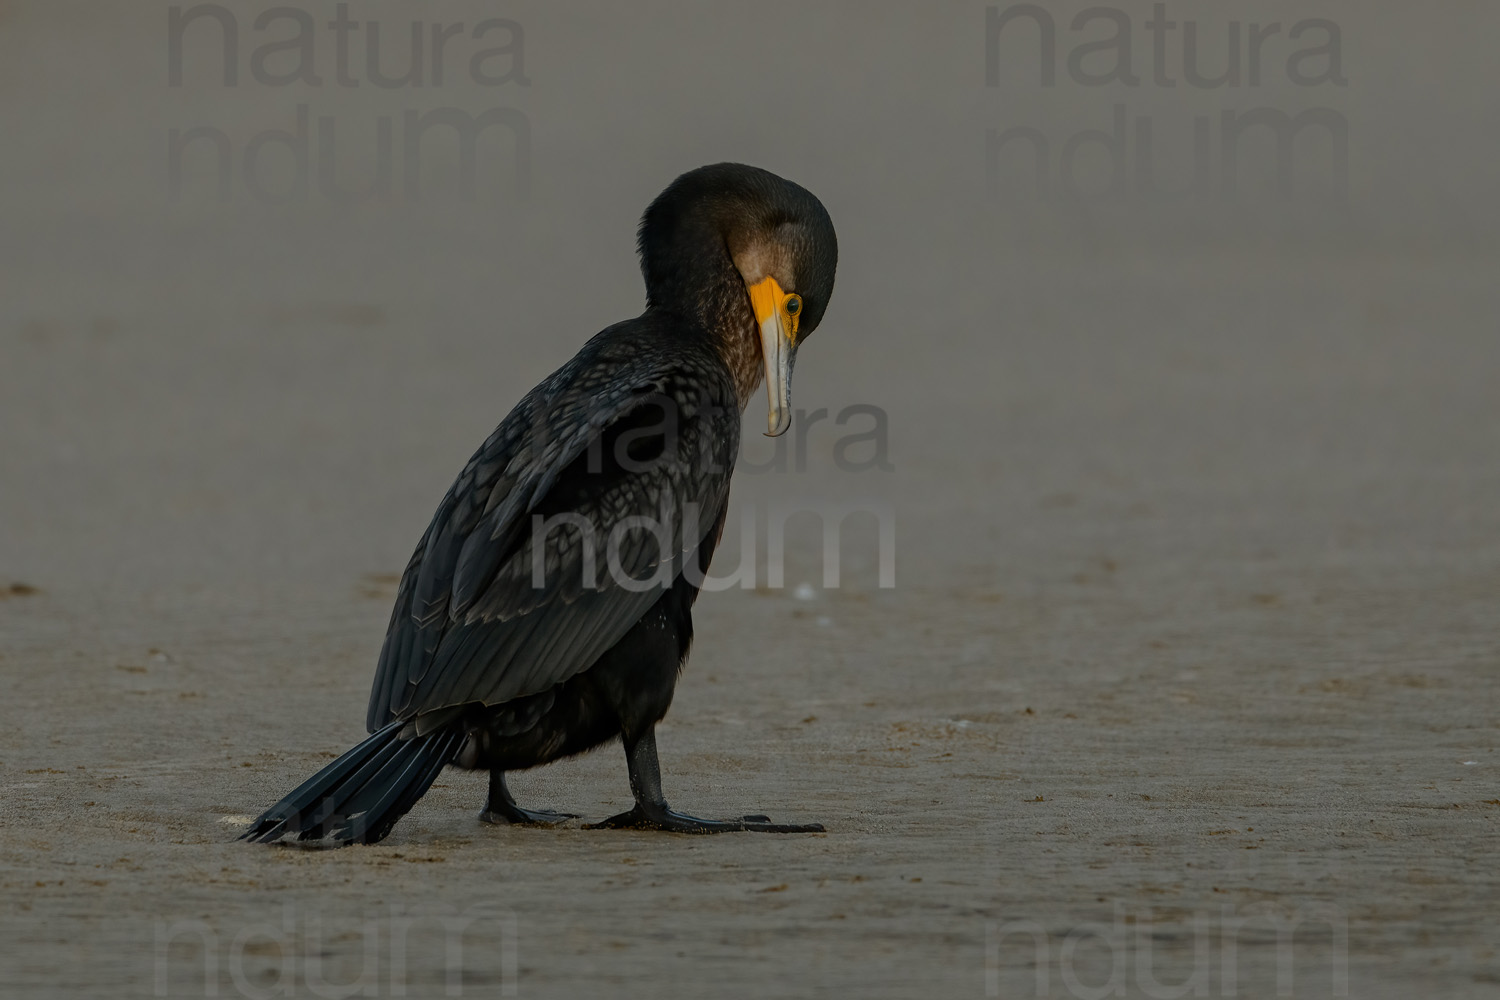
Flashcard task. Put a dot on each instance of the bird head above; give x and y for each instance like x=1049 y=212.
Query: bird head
x=777 y=240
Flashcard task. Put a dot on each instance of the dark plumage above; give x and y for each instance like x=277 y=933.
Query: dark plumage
x=496 y=659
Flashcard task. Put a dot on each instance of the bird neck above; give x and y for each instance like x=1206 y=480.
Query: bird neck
x=737 y=340
x=712 y=298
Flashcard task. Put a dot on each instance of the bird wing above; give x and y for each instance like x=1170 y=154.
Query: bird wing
x=624 y=458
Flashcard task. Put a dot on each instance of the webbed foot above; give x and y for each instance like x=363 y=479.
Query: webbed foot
x=663 y=818
x=501 y=808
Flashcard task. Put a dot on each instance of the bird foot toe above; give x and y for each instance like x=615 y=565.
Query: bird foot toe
x=676 y=822
x=516 y=816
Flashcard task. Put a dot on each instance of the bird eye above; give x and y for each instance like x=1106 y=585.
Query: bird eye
x=793 y=305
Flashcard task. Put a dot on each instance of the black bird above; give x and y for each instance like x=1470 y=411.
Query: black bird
x=548 y=607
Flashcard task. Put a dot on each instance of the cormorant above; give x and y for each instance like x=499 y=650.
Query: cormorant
x=548 y=607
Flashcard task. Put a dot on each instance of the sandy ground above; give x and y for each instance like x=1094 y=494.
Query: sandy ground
x=1188 y=682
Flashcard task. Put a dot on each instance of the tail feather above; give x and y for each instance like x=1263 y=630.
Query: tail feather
x=359 y=797
x=296 y=813
x=382 y=802
x=418 y=788
x=340 y=800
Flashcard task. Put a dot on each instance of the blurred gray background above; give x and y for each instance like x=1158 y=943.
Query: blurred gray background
x=1196 y=490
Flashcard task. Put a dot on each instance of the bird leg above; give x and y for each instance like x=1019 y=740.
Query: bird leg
x=651 y=811
x=502 y=808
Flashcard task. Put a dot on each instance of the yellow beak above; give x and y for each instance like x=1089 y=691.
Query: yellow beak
x=778 y=344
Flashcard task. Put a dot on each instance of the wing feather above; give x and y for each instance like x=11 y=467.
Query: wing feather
x=471 y=621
